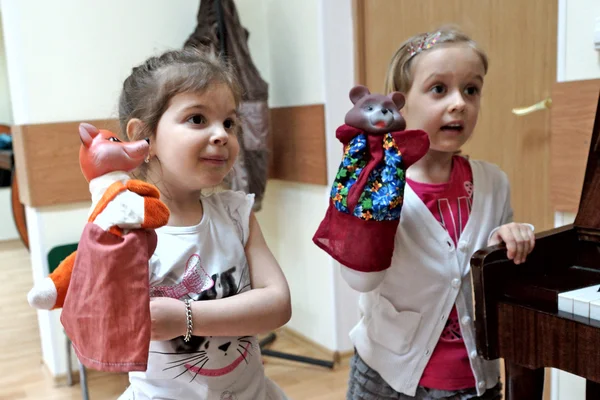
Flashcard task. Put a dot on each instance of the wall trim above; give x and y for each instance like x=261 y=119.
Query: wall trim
x=47 y=155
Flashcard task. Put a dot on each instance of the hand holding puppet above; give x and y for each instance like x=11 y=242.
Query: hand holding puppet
x=367 y=195
x=103 y=287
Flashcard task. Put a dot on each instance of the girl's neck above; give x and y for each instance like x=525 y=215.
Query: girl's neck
x=434 y=167
x=185 y=208
x=184 y=205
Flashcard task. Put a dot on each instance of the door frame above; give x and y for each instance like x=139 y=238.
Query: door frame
x=561 y=62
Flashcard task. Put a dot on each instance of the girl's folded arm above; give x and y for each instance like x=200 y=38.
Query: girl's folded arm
x=265 y=307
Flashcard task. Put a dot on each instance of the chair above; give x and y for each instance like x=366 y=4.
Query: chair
x=55 y=257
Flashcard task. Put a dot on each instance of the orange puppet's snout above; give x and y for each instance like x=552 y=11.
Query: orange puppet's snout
x=137 y=150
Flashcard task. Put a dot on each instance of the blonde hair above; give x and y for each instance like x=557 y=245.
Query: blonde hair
x=400 y=75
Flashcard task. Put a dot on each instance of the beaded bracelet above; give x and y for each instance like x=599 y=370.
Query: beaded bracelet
x=188 y=316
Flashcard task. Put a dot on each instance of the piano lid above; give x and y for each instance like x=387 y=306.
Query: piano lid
x=588 y=215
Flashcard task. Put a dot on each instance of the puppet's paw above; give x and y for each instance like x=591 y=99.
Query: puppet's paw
x=156 y=213
x=126 y=211
x=43 y=295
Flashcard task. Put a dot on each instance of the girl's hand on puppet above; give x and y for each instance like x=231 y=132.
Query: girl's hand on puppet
x=168 y=318
x=519 y=240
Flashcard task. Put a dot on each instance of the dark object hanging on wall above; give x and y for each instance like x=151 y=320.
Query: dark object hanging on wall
x=219 y=29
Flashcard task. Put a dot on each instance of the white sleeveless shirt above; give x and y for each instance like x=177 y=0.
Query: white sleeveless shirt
x=204 y=262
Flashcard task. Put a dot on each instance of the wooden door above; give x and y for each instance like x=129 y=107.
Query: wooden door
x=520 y=40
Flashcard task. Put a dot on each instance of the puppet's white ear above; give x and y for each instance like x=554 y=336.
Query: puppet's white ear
x=358 y=92
x=398 y=99
x=87 y=133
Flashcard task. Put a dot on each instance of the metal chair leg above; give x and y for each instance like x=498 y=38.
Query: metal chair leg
x=69 y=366
x=83 y=382
x=82 y=373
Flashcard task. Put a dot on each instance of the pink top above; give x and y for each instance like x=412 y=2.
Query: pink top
x=450 y=203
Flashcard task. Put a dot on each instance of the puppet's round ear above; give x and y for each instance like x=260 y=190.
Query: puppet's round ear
x=398 y=99
x=358 y=92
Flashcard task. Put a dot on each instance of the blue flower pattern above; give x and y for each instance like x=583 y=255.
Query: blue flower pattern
x=383 y=194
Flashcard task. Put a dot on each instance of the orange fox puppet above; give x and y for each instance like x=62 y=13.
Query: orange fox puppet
x=103 y=287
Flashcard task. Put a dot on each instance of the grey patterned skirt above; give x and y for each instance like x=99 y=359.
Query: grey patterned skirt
x=366 y=384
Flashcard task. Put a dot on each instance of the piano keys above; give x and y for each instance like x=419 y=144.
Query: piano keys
x=578 y=302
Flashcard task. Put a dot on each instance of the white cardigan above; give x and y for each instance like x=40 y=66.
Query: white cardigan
x=406 y=307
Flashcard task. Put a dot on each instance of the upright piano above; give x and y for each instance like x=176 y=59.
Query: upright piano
x=517 y=313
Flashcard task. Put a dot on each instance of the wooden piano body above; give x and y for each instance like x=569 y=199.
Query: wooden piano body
x=516 y=306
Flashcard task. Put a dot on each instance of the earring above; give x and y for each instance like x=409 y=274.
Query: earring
x=147 y=160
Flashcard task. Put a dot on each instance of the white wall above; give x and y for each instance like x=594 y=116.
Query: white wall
x=290 y=216
x=582 y=61
x=291 y=211
x=8 y=230
x=311 y=62
x=339 y=78
x=67 y=60
x=5 y=105
x=294 y=40
x=577 y=60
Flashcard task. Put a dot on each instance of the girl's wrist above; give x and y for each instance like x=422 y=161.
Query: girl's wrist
x=189 y=323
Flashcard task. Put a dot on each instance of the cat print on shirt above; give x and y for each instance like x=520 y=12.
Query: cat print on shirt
x=208 y=357
x=214 y=357
x=225 y=285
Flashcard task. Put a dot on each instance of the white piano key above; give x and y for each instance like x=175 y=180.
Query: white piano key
x=578 y=301
x=581 y=305
x=595 y=310
x=565 y=303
